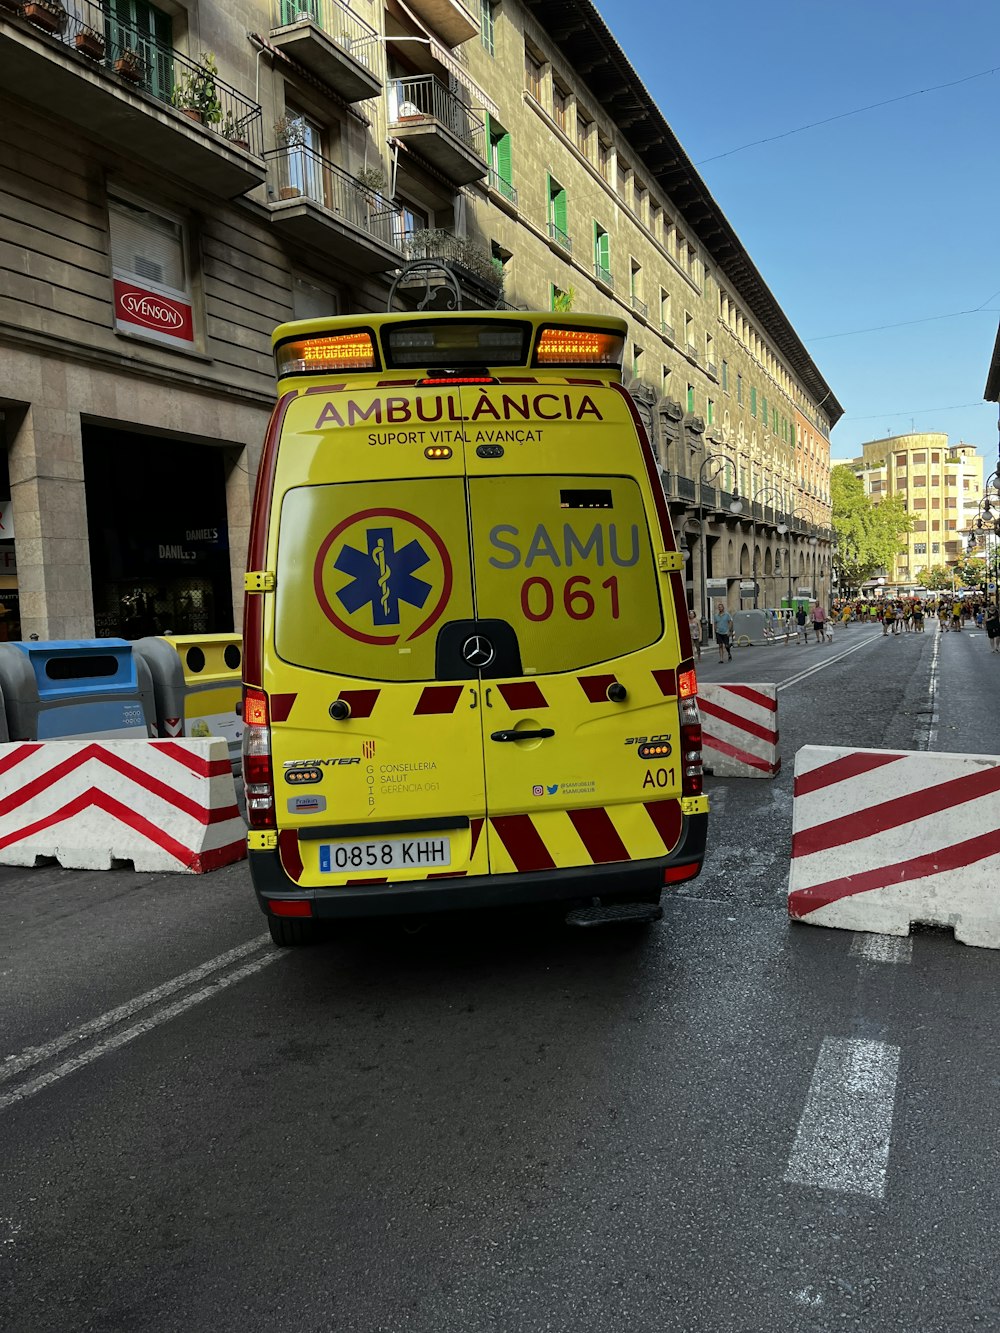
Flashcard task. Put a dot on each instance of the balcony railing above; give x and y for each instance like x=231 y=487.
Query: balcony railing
x=427 y=96
x=713 y=369
x=142 y=64
x=502 y=186
x=442 y=244
x=298 y=172
x=561 y=238
x=350 y=32
x=640 y=306
x=603 y=275
x=667 y=328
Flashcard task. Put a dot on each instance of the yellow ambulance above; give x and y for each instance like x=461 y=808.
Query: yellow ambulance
x=467 y=670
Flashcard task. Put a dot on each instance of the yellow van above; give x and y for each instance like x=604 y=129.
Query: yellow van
x=467 y=670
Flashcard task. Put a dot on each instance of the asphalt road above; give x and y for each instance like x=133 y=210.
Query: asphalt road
x=507 y=1125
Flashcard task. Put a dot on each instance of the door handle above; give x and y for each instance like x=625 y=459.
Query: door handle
x=542 y=734
x=489 y=691
x=475 y=698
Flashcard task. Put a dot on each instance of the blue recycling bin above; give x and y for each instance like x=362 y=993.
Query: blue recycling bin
x=76 y=689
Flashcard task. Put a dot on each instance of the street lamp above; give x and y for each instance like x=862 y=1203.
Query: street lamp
x=735 y=507
x=813 y=541
x=781 y=527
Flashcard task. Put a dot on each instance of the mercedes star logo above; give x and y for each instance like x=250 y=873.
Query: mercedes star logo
x=478 y=652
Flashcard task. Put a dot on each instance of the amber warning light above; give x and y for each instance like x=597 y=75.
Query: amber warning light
x=579 y=347
x=312 y=356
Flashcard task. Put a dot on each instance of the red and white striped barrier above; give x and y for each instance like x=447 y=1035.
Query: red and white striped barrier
x=882 y=840
x=739 y=730
x=163 y=805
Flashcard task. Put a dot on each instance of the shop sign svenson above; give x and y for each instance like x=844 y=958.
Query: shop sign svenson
x=153 y=315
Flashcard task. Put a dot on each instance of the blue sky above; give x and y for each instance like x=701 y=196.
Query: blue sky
x=886 y=216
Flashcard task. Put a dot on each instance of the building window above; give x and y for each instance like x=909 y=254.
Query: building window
x=560 y=105
x=560 y=301
x=487 y=28
x=151 y=279
x=753 y=400
x=602 y=253
x=689 y=333
x=636 y=361
x=763 y=411
x=920 y=481
x=664 y=380
x=558 y=225
x=534 y=73
x=920 y=458
x=584 y=127
x=711 y=410
x=665 y=325
x=919 y=504
x=690 y=398
x=635 y=287
x=500 y=155
x=135 y=25
x=604 y=158
x=919 y=548
x=625 y=182
x=739 y=388
x=725 y=376
x=641 y=198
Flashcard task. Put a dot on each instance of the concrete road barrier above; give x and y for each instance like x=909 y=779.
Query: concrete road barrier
x=739 y=726
x=163 y=805
x=883 y=840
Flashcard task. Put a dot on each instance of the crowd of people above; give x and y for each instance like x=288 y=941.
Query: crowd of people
x=906 y=615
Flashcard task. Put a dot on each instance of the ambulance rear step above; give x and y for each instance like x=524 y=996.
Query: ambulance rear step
x=608 y=913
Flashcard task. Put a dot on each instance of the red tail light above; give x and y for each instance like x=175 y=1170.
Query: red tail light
x=258 y=777
x=692 y=773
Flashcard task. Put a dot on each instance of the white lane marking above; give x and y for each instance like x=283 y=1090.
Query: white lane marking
x=932 y=726
x=843 y=1137
x=882 y=948
x=828 y=661
x=36 y=1055
x=139 y=1029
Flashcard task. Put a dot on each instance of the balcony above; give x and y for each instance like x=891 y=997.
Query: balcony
x=603 y=274
x=450 y=19
x=427 y=117
x=639 y=306
x=148 y=101
x=479 y=276
x=560 y=237
x=332 y=43
x=667 y=329
x=502 y=187
x=314 y=202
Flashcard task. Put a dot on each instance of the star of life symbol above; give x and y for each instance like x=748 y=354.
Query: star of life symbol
x=382 y=576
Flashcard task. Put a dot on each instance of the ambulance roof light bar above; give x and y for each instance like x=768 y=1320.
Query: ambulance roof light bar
x=316 y=355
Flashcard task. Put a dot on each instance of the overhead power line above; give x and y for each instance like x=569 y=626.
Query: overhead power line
x=844 y=115
x=903 y=323
x=917 y=411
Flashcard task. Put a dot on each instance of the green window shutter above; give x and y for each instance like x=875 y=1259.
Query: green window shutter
x=690 y=398
x=503 y=163
x=602 y=249
x=559 y=211
x=489 y=128
x=291 y=9
x=753 y=401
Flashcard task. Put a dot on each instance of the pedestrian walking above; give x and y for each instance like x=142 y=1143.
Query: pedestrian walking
x=993 y=627
x=694 y=625
x=722 y=622
x=802 y=620
x=819 y=622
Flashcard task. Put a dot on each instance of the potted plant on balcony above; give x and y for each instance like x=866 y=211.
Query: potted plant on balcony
x=91 y=43
x=196 y=93
x=130 y=65
x=233 y=130
x=48 y=15
x=289 y=133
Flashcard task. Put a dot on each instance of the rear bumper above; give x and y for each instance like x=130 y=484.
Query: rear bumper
x=624 y=880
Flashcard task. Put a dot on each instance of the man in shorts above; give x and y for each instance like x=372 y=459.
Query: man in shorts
x=722 y=622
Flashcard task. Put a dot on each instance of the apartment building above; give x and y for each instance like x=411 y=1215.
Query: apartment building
x=941 y=486
x=177 y=178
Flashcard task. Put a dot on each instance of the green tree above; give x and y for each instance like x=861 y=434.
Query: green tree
x=869 y=535
x=972 y=571
x=934 y=577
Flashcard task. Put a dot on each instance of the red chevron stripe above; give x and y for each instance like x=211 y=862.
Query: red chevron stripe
x=667 y=681
x=596 y=687
x=205 y=768
x=17 y=756
x=736 y=720
x=360 y=702
x=896 y=812
x=668 y=820
x=524 y=845
x=752 y=696
x=803 y=901
x=477 y=828
x=92 y=798
x=847 y=766
x=599 y=835
x=522 y=694
x=744 y=756
x=111 y=760
x=438 y=699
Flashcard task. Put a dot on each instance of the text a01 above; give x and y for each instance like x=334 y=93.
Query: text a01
x=391 y=854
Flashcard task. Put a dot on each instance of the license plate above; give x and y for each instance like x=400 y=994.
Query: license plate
x=388 y=854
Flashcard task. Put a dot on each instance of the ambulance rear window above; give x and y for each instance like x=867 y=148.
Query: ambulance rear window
x=448 y=343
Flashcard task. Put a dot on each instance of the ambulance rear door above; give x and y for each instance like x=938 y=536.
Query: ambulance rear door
x=377 y=742
x=581 y=725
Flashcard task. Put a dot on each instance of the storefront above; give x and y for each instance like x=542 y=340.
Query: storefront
x=159 y=537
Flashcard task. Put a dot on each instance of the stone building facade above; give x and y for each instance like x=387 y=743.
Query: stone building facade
x=941 y=485
x=178 y=178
